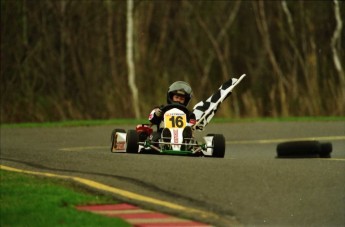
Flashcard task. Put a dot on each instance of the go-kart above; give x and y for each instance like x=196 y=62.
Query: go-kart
x=173 y=139
x=144 y=140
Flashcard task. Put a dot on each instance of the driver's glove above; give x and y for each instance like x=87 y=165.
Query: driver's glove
x=158 y=112
x=192 y=122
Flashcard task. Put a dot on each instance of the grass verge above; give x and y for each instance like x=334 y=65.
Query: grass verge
x=27 y=200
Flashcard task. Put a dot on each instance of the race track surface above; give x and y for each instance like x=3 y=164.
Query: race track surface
x=249 y=187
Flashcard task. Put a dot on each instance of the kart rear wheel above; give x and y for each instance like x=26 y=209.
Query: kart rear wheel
x=132 y=140
x=113 y=137
x=218 y=145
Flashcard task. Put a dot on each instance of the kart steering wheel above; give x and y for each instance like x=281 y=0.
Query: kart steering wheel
x=175 y=105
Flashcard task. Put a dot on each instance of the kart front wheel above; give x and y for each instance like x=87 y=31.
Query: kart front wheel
x=114 y=139
x=218 y=146
x=132 y=140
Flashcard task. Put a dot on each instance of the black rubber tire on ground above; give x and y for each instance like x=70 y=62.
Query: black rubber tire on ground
x=326 y=150
x=132 y=140
x=218 y=145
x=299 y=149
x=112 y=138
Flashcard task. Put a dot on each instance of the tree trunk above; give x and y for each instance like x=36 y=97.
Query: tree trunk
x=130 y=61
x=335 y=46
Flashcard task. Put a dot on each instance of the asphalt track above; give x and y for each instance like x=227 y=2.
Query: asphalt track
x=249 y=187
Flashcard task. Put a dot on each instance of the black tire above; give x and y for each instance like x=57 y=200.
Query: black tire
x=132 y=140
x=299 y=149
x=112 y=138
x=218 y=145
x=326 y=149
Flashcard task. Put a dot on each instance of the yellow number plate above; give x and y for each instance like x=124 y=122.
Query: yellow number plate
x=175 y=121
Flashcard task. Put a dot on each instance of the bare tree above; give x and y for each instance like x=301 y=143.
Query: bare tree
x=335 y=43
x=282 y=83
x=59 y=58
x=221 y=35
x=130 y=60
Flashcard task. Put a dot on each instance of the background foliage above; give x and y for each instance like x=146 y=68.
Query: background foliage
x=66 y=59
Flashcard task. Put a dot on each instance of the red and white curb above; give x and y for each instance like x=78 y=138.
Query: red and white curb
x=139 y=217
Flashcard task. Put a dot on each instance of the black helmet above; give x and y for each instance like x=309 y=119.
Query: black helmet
x=179 y=88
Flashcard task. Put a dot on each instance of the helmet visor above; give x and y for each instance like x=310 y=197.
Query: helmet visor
x=181 y=85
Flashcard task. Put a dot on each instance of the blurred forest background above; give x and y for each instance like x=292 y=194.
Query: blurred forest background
x=68 y=59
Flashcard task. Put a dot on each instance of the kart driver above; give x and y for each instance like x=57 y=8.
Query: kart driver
x=179 y=92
